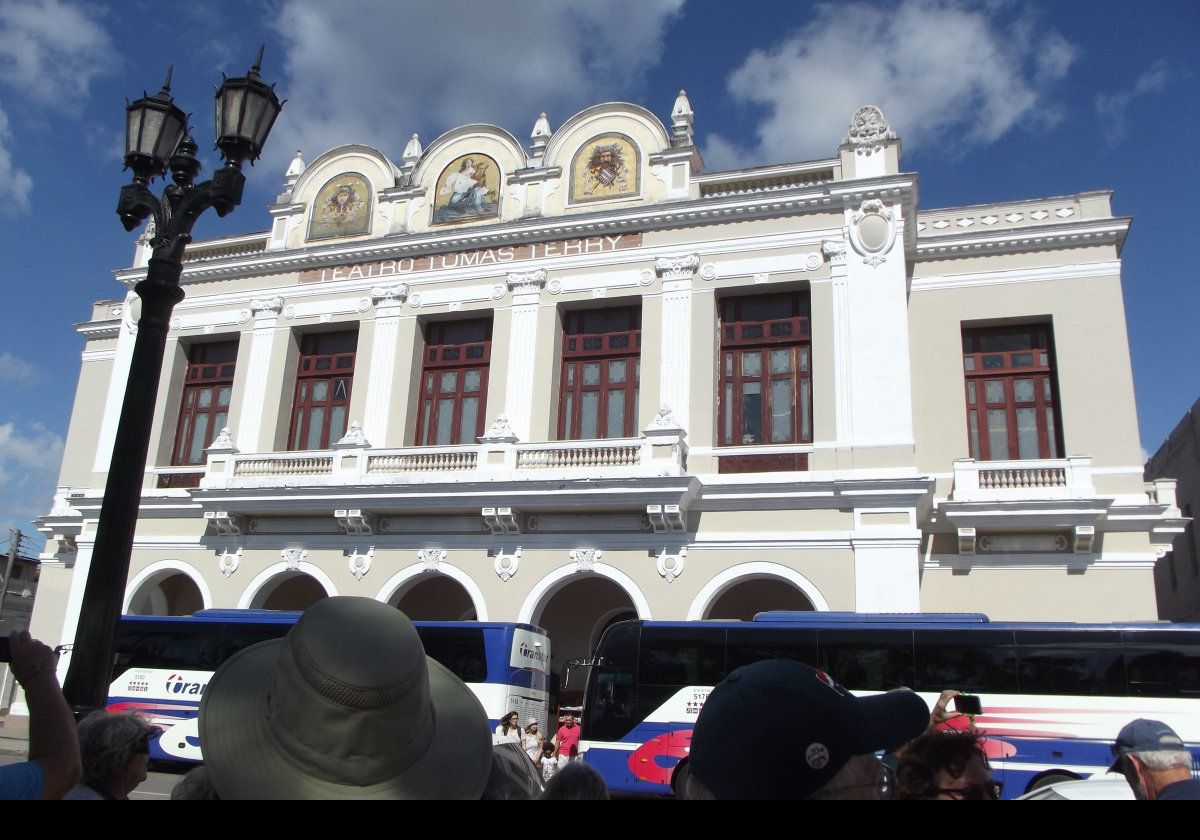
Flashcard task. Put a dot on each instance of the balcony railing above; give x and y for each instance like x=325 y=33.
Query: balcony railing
x=1051 y=478
x=655 y=455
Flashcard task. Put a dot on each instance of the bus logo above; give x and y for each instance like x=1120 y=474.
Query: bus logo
x=532 y=655
x=177 y=684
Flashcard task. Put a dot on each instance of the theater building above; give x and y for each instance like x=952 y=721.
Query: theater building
x=581 y=379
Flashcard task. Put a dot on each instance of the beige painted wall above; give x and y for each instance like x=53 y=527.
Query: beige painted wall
x=1039 y=594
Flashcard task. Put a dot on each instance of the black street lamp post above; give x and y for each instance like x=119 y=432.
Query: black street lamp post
x=156 y=140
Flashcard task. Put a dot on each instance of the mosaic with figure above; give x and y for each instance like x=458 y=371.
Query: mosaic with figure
x=467 y=190
x=342 y=208
x=605 y=167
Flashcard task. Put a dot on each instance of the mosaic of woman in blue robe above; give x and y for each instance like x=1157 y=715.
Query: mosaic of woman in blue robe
x=468 y=191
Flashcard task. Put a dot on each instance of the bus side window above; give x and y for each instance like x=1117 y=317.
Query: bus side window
x=1071 y=662
x=1162 y=663
x=867 y=660
x=682 y=656
x=755 y=644
x=981 y=661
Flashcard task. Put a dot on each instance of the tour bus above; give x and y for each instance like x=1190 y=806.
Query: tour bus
x=1054 y=695
x=163 y=664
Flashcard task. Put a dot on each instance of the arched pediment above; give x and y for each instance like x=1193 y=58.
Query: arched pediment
x=339 y=191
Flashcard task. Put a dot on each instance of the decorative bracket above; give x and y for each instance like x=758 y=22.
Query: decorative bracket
x=228 y=561
x=223 y=523
x=360 y=564
x=506 y=564
x=355 y=522
x=670 y=566
x=501 y=520
x=966 y=540
x=666 y=519
x=1085 y=538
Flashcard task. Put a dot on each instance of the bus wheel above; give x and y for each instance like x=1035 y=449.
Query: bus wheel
x=679 y=779
x=1051 y=777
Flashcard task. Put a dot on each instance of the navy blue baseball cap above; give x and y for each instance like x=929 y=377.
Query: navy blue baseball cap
x=779 y=729
x=1144 y=735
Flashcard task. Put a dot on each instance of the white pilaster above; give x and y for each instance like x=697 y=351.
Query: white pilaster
x=116 y=386
x=875 y=331
x=526 y=290
x=249 y=422
x=79 y=575
x=675 y=379
x=835 y=250
x=887 y=576
x=388 y=303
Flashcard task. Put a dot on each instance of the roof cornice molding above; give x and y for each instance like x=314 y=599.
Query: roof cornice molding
x=807 y=198
x=1015 y=240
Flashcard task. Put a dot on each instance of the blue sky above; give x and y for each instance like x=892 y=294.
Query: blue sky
x=994 y=100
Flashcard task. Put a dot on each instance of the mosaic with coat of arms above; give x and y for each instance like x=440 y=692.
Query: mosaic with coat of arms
x=467 y=190
x=342 y=208
x=605 y=167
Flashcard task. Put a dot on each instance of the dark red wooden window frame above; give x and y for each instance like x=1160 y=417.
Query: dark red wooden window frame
x=210 y=368
x=1027 y=353
x=442 y=354
x=313 y=367
x=580 y=347
x=740 y=335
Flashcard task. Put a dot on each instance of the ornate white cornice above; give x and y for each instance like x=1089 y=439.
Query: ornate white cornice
x=1014 y=240
x=790 y=201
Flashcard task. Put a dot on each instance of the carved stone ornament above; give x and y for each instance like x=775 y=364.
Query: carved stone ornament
x=227 y=561
x=224 y=524
x=413 y=150
x=646 y=277
x=868 y=129
x=664 y=420
x=500 y=431
x=523 y=282
x=506 y=564
x=389 y=294
x=354 y=522
x=360 y=564
x=834 y=250
x=872 y=231
x=415 y=300
x=431 y=557
x=539 y=137
x=148 y=233
x=354 y=437
x=554 y=286
x=265 y=307
x=677 y=268
x=294 y=557
x=496 y=293
x=708 y=271
x=501 y=520
x=670 y=566
x=223 y=442
x=585 y=558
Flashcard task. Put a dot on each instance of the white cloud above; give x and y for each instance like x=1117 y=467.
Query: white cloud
x=376 y=71
x=15 y=183
x=940 y=71
x=16 y=370
x=30 y=456
x=1112 y=108
x=51 y=50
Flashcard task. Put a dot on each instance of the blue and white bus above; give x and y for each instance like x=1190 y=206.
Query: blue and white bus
x=1054 y=695
x=163 y=665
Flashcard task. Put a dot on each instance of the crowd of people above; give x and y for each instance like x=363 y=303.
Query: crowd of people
x=348 y=706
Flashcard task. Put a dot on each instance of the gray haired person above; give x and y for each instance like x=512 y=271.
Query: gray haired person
x=1155 y=761
x=116 y=754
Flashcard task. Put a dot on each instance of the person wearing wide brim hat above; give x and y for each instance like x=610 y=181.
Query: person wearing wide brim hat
x=346 y=706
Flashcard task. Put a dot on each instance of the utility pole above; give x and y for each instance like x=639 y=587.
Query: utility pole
x=14 y=544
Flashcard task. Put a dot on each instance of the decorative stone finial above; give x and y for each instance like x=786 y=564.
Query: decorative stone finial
x=540 y=136
x=223 y=442
x=682 y=118
x=296 y=167
x=868 y=127
x=500 y=431
x=413 y=150
x=353 y=438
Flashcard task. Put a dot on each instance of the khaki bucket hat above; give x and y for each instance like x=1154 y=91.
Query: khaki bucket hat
x=346 y=706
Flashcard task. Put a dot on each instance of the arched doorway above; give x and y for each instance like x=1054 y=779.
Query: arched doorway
x=435 y=598
x=745 y=598
x=289 y=591
x=575 y=615
x=168 y=593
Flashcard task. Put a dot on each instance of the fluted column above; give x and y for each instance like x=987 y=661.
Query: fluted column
x=262 y=340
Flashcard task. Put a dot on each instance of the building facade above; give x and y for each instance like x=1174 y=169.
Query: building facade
x=1177 y=574
x=581 y=380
